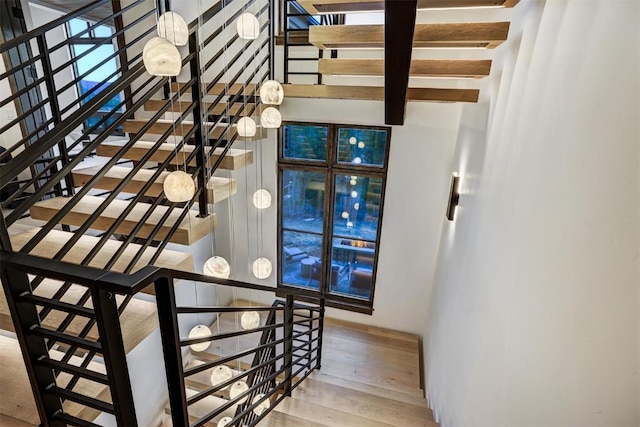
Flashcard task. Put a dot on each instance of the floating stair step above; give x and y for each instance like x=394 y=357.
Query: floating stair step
x=221 y=89
x=138 y=319
x=161 y=126
x=325 y=415
x=280 y=419
x=296 y=38
x=234 y=159
x=202 y=380
x=373 y=93
x=458 y=68
x=219 y=188
x=7 y=421
x=363 y=404
x=190 y=230
x=202 y=408
x=181 y=106
x=459 y=35
x=56 y=239
x=17 y=404
x=315 y=7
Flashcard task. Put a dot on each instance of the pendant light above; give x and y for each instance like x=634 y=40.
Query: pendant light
x=248 y=27
x=262 y=268
x=263 y=406
x=217 y=266
x=220 y=374
x=179 y=186
x=224 y=422
x=353 y=140
x=200 y=331
x=173 y=27
x=262 y=199
x=161 y=58
x=271 y=93
x=236 y=390
x=271 y=118
x=246 y=127
x=250 y=320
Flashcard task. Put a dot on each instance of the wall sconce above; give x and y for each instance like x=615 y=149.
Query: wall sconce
x=454 y=197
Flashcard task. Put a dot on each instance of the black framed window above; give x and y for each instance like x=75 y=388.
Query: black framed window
x=93 y=70
x=332 y=181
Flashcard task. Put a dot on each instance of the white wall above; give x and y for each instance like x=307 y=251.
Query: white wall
x=534 y=315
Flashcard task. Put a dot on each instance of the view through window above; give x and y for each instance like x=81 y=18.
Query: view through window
x=96 y=66
x=332 y=180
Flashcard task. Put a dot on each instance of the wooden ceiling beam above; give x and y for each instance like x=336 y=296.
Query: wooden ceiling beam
x=315 y=7
x=399 y=27
x=472 y=34
x=457 y=68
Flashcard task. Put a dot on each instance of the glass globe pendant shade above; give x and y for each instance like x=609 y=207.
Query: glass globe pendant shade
x=263 y=406
x=262 y=199
x=271 y=93
x=200 y=331
x=217 y=266
x=179 y=187
x=237 y=389
x=353 y=182
x=250 y=320
x=354 y=194
x=224 y=422
x=173 y=27
x=345 y=215
x=360 y=144
x=161 y=57
x=349 y=224
x=246 y=127
x=353 y=140
x=357 y=161
x=248 y=27
x=271 y=118
x=262 y=268
x=220 y=374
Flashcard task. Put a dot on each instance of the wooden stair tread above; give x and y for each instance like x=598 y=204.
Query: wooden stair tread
x=338 y=324
x=315 y=7
x=459 y=35
x=6 y=421
x=16 y=398
x=191 y=229
x=181 y=106
x=325 y=415
x=375 y=93
x=55 y=239
x=297 y=38
x=410 y=398
x=221 y=89
x=203 y=407
x=276 y=418
x=219 y=188
x=162 y=126
x=458 y=68
x=234 y=159
x=365 y=405
x=137 y=321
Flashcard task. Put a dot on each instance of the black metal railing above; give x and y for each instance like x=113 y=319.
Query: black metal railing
x=288 y=345
x=302 y=65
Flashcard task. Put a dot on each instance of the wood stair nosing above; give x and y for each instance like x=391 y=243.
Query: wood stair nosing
x=234 y=159
x=449 y=35
x=219 y=188
x=375 y=93
x=182 y=129
x=454 y=68
x=220 y=88
x=181 y=106
x=138 y=319
x=56 y=239
x=315 y=7
x=191 y=229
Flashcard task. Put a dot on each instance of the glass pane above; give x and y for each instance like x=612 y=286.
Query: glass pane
x=76 y=26
x=352 y=267
x=305 y=142
x=362 y=146
x=102 y=31
x=99 y=76
x=303 y=200
x=357 y=207
x=301 y=259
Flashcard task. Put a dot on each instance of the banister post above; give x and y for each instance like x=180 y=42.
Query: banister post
x=115 y=358
x=168 y=319
x=288 y=343
x=320 y=333
x=200 y=135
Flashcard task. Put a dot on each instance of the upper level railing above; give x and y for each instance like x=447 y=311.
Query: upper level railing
x=289 y=347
